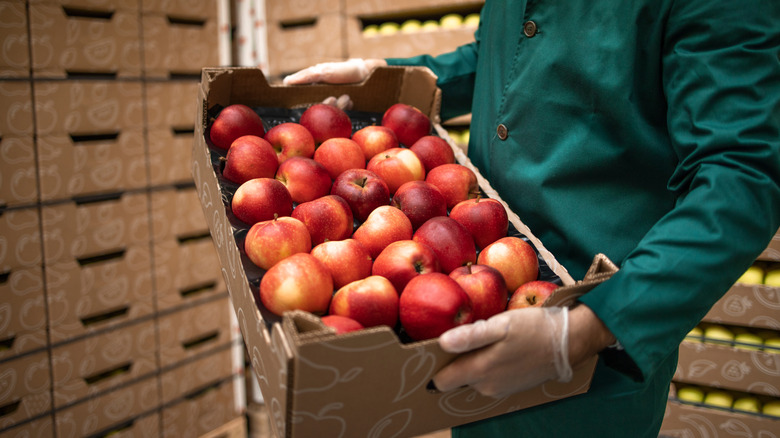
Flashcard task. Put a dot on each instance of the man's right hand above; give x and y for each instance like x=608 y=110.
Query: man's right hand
x=343 y=72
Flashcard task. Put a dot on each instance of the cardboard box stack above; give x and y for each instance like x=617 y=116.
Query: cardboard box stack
x=728 y=375
x=115 y=315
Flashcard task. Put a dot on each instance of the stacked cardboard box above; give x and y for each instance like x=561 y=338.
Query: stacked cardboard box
x=115 y=315
x=734 y=367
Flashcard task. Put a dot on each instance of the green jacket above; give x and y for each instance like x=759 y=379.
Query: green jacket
x=646 y=130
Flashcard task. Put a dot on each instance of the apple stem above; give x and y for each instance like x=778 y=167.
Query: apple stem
x=276 y=216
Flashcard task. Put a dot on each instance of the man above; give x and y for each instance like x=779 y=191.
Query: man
x=646 y=130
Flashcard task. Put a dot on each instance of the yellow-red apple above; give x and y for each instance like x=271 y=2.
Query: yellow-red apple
x=249 y=157
x=269 y=242
x=433 y=151
x=341 y=324
x=451 y=242
x=385 y=225
x=486 y=288
x=374 y=139
x=397 y=166
x=326 y=121
x=299 y=282
x=372 y=301
x=419 y=201
x=515 y=258
x=408 y=122
x=531 y=294
x=232 y=122
x=363 y=190
x=261 y=199
x=305 y=179
x=339 y=154
x=485 y=218
x=289 y=140
x=403 y=260
x=455 y=181
x=431 y=304
x=327 y=218
x=347 y=260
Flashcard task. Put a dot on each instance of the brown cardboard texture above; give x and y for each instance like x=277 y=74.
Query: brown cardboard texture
x=23 y=312
x=754 y=305
x=176 y=213
x=772 y=251
x=169 y=104
x=16 y=105
x=40 y=427
x=205 y=413
x=20 y=238
x=683 y=420
x=103 y=362
x=296 y=44
x=728 y=367
x=194 y=330
x=18 y=181
x=26 y=388
x=175 y=45
x=196 y=374
x=15 y=59
x=314 y=382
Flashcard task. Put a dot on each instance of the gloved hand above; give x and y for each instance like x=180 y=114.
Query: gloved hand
x=509 y=352
x=343 y=72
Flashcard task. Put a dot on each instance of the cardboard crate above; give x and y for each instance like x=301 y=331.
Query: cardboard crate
x=169 y=104
x=16 y=105
x=87 y=106
x=20 y=236
x=95 y=5
x=22 y=312
x=103 y=362
x=168 y=149
x=194 y=330
x=683 y=420
x=26 y=385
x=186 y=271
x=207 y=412
x=18 y=181
x=297 y=43
x=175 y=45
x=772 y=251
x=68 y=41
x=301 y=10
x=188 y=378
x=78 y=166
x=131 y=410
x=728 y=367
x=96 y=227
x=86 y=298
x=15 y=52
x=176 y=213
x=41 y=427
x=408 y=7
x=180 y=8
x=301 y=378
x=754 y=305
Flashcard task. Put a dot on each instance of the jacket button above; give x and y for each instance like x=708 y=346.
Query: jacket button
x=529 y=29
x=502 y=132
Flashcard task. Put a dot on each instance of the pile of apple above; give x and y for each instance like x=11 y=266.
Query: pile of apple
x=379 y=226
x=726 y=399
x=747 y=338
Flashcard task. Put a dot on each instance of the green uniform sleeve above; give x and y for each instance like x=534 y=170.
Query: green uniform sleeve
x=721 y=76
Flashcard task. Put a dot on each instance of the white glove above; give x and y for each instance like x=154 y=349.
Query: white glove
x=510 y=352
x=344 y=72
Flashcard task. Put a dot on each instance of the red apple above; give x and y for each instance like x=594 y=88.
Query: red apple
x=327 y=218
x=261 y=199
x=339 y=154
x=409 y=123
x=531 y=294
x=232 y=122
x=515 y=258
x=290 y=140
x=249 y=157
x=347 y=260
x=271 y=241
x=385 y=225
x=403 y=260
x=486 y=288
x=485 y=218
x=326 y=121
x=419 y=201
x=452 y=243
x=397 y=166
x=305 y=179
x=363 y=190
x=431 y=304
x=433 y=151
x=341 y=324
x=374 y=139
x=299 y=282
x=372 y=301
x=455 y=181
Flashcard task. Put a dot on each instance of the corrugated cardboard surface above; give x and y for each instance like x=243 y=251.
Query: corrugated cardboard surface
x=772 y=252
x=171 y=214
x=313 y=382
x=169 y=104
x=206 y=413
x=189 y=378
x=748 y=305
x=168 y=149
x=42 y=427
x=16 y=104
x=26 y=388
x=406 y=7
x=15 y=50
x=20 y=236
x=193 y=330
x=685 y=420
x=293 y=46
x=22 y=312
x=18 y=181
x=728 y=367
x=178 y=47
